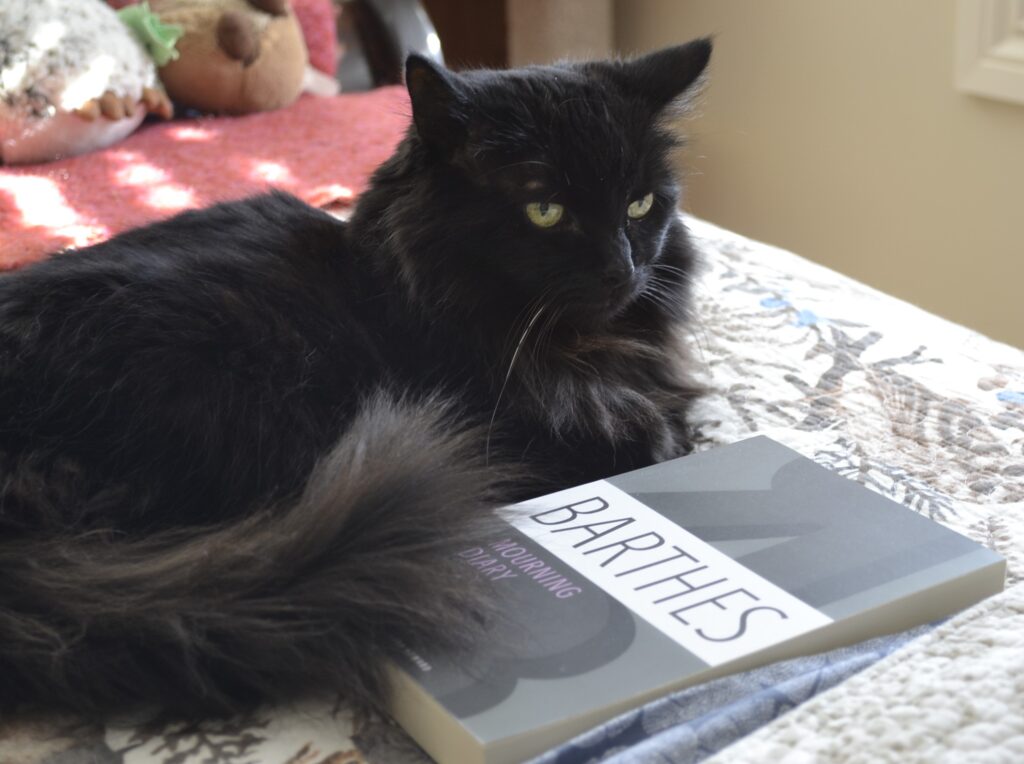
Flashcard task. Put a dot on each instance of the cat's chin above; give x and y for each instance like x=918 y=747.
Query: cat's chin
x=598 y=316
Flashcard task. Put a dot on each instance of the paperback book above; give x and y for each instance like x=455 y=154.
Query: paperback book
x=618 y=591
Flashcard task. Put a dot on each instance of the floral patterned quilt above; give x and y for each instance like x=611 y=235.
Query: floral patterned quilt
x=917 y=408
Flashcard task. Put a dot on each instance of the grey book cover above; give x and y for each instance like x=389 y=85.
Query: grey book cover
x=624 y=588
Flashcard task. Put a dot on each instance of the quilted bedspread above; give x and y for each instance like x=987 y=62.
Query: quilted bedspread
x=924 y=411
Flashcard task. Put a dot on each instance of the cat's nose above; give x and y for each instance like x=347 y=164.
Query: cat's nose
x=619 y=267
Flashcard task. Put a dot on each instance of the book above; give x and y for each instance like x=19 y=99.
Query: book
x=619 y=591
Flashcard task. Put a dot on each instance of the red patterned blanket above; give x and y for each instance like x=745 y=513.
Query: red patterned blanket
x=321 y=149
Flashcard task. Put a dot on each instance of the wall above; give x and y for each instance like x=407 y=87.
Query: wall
x=833 y=129
x=542 y=31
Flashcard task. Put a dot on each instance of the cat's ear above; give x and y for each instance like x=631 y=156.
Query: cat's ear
x=665 y=75
x=438 y=104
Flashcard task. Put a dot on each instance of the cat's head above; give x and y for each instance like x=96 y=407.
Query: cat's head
x=544 y=186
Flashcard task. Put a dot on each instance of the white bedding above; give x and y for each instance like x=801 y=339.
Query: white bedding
x=955 y=695
x=917 y=408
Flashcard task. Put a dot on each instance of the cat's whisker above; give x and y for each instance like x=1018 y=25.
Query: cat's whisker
x=508 y=346
x=685 y=278
x=670 y=268
x=546 y=332
x=683 y=275
x=695 y=321
x=692 y=323
x=657 y=292
x=524 y=316
x=508 y=375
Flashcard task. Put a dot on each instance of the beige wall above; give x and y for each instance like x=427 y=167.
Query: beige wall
x=833 y=129
x=542 y=31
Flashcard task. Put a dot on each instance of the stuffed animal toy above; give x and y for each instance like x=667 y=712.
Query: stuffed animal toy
x=235 y=56
x=73 y=78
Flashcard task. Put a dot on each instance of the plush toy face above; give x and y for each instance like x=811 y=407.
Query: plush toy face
x=236 y=56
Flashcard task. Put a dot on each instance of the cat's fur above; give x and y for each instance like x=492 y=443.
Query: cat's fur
x=239 y=448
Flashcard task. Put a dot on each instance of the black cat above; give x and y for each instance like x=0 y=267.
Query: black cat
x=239 y=448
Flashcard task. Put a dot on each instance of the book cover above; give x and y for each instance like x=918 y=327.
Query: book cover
x=618 y=591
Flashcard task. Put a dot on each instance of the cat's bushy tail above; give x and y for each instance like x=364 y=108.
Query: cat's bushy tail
x=318 y=594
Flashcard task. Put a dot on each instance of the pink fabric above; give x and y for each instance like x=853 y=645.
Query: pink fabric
x=319 y=28
x=321 y=149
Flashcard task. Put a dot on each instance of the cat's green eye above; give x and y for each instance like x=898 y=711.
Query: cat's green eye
x=544 y=214
x=637 y=209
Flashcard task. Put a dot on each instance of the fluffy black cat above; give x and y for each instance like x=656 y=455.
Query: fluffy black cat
x=239 y=448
